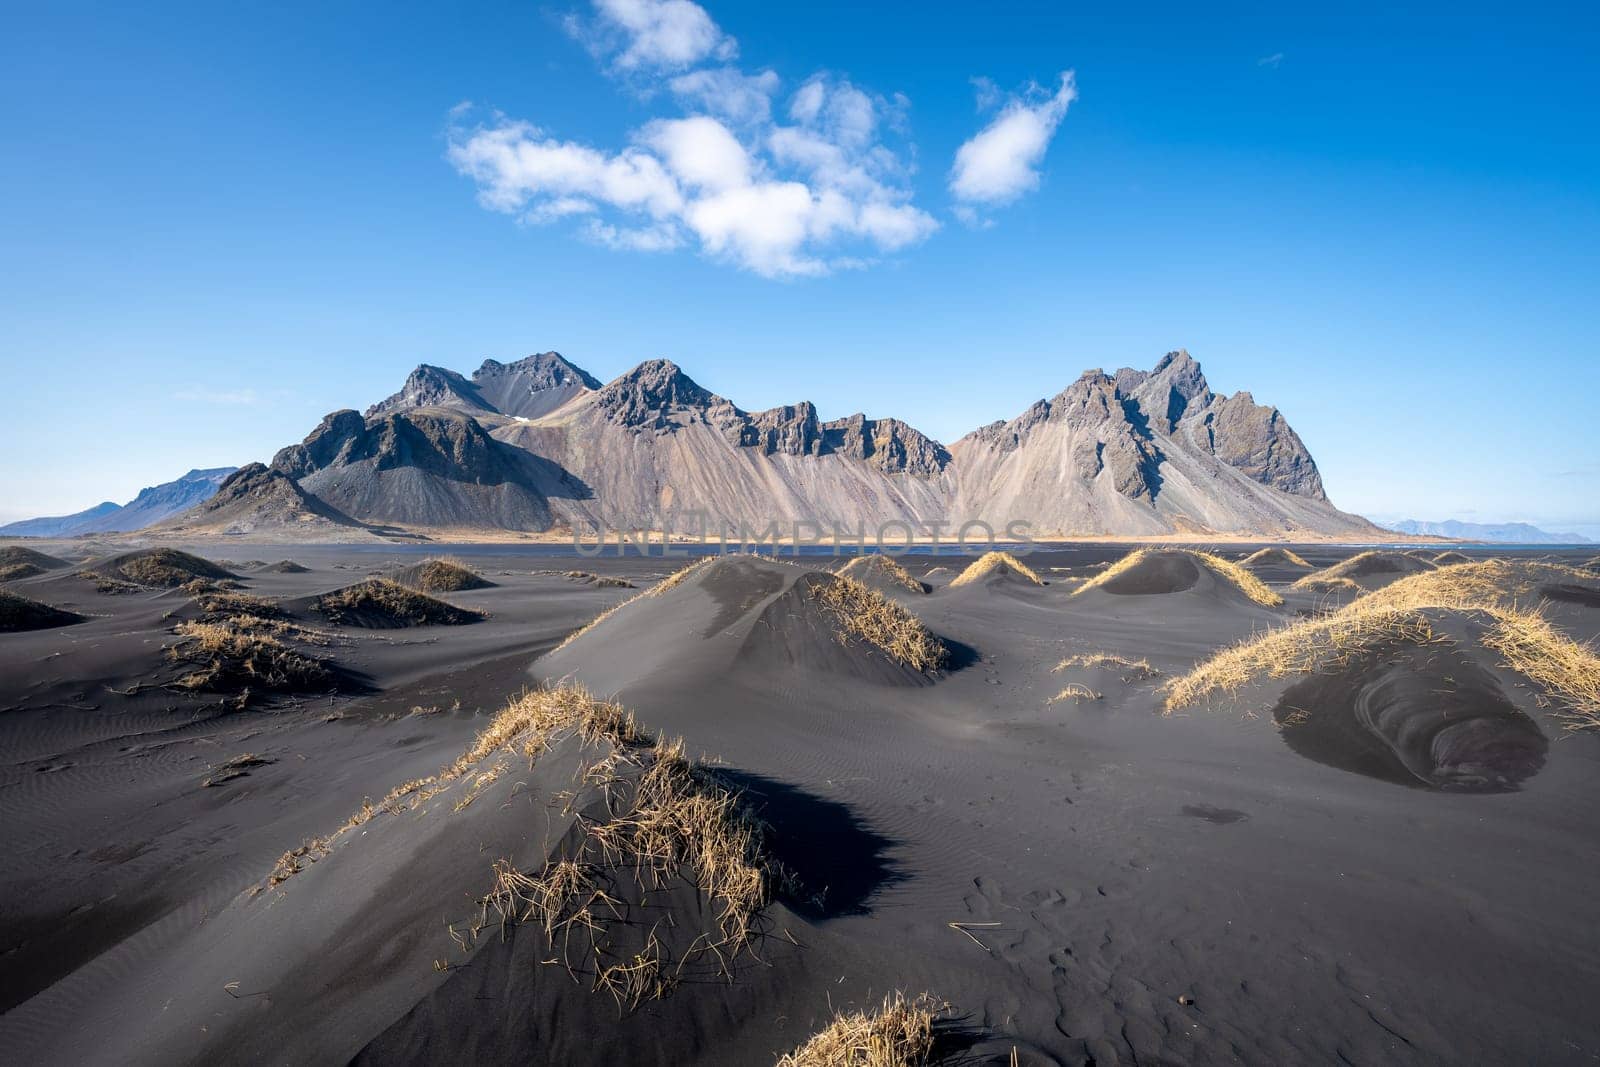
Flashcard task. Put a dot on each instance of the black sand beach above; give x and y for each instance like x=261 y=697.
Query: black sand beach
x=1388 y=860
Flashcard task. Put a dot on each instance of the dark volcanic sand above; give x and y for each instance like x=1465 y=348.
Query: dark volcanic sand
x=1408 y=880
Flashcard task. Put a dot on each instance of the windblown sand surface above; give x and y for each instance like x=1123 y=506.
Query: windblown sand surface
x=1387 y=860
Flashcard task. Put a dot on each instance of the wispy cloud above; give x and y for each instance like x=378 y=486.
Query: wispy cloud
x=825 y=187
x=1001 y=162
x=1275 y=60
x=652 y=35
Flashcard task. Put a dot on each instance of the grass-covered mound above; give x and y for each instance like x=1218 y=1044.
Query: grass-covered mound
x=17 y=562
x=384 y=604
x=1363 y=569
x=443 y=575
x=1274 y=557
x=285 y=566
x=242 y=654
x=1151 y=571
x=882 y=572
x=19 y=614
x=866 y=615
x=1485 y=597
x=158 y=568
x=1002 y=565
x=659 y=831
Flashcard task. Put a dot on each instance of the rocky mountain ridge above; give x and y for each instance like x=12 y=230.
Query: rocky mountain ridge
x=539 y=445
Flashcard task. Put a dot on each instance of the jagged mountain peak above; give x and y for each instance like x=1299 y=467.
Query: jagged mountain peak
x=551 y=369
x=657 y=394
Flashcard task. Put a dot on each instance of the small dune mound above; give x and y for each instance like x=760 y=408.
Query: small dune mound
x=837 y=625
x=994 y=567
x=158 y=568
x=882 y=573
x=1444 y=559
x=19 y=614
x=599 y=581
x=661 y=880
x=899 y=1033
x=1156 y=572
x=1365 y=570
x=667 y=584
x=1465 y=604
x=17 y=562
x=1425 y=716
x=442 y=576
x=384 y=604
x=284 y=566
x=236 y=656
x=1274 y=557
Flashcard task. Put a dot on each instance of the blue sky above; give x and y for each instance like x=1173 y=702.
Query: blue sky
x=219 y=222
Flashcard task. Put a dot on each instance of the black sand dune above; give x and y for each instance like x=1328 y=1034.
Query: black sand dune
x=19 y=614
x=883 y=574
x=1366 y=570
x=1572 y=593
x=17 y=562
x=441 y=576
x=1157 y=574
x=1414 y=716
x=1274 y=558
x=158 y=568
x=382 y=604
x=1444 y=559
x=795 y=632
x=284 y=566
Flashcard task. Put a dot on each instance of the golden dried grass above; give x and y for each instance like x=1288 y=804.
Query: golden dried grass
x=236 y=653
x=899 y=1033
x=1131 y=669
x=990 y=562
x=1272 y=555
x=868 y=615
x=863 y=567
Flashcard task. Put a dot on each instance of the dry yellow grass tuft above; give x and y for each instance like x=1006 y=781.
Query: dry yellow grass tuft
x=863 y=567
x=1132 y=669
x=242 y=653
x=870 y=616
x=671 y=581
x=990 y=562
x=1076 y=693
x=1248 y=584
x=1402 y=611
x=525 y=724
x=897 y=1034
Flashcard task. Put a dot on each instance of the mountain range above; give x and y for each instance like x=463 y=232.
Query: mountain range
x=149 y=507
x=539 y=445
x=1504 y=532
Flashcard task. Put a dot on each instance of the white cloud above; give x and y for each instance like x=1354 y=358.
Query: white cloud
x=728 y=93
x=824 y=192
x=1001 y=162
x=1275 y=60
x=653 y=35
x=700 y=151
x=515 y=164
